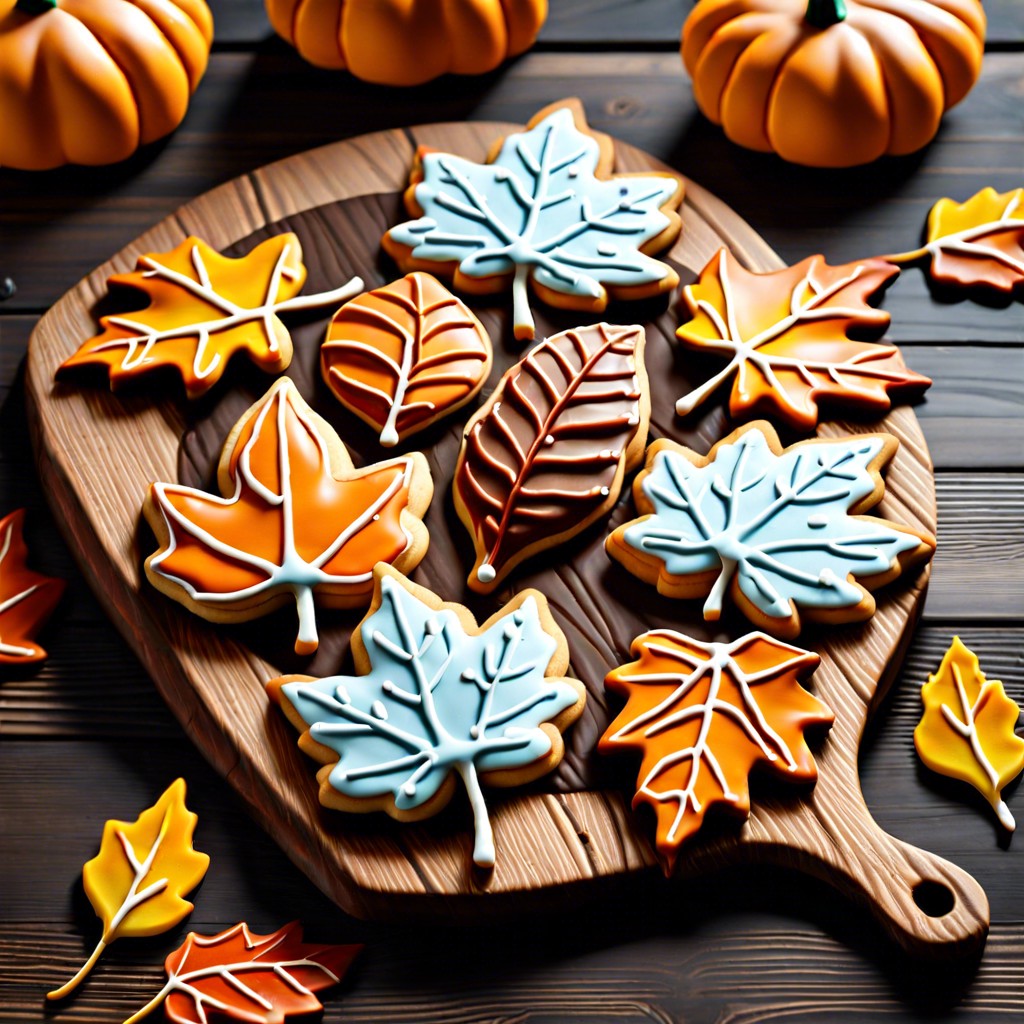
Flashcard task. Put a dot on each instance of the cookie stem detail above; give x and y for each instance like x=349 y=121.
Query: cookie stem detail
x=824 y=13
x=33 y=7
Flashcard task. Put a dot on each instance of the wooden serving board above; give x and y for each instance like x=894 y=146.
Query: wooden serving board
x=568 y=835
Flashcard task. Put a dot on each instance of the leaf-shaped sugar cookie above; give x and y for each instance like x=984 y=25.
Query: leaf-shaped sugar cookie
x=544 y=209
x=405 y=355
x=976 y=243
x=203 y=308
x=704 y=715
x=138 y=881
x=436 y=699
x=295 y=520
x=27 y=598
x=251 y=979
x=546 y=455
x=779 y=530
x=787 y=337
x=967 y=729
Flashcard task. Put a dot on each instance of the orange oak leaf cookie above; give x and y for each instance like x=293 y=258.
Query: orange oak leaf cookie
x=251 y=979
x=27 y=598
x=976 y=243
x=967 y=729
x=787 y=337
x=295 y=520
x=546 y=455
x=402 y=356
x=436 y=699
x=780 y=530
x=704 y=715
x=544 y=209
x=138 y=881
x=203 y=308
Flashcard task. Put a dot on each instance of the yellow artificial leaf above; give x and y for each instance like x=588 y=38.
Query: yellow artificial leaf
x=967 y=729
x=138 y=880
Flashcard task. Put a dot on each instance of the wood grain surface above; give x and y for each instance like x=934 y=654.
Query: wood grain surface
x=546 y=841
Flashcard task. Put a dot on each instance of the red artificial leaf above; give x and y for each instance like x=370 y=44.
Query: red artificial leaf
x=27 y=598
x=254 y=979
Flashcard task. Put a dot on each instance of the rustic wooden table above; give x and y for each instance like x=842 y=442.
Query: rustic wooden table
x=86 y=738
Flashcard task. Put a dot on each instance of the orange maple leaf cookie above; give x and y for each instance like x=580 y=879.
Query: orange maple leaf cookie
x=294 y=520
x=203 y=309
x=405 y=355
x=704 y=715
x=787 y=335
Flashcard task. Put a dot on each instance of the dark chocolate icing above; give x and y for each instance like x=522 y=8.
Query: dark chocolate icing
x=600 y=607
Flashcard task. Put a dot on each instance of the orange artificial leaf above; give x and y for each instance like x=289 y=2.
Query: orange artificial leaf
x=405 y=355
x=703 y=715
x=27 y=598
x=295 y=520
x=967 y=729
x=787 y=337
x=138 y=881
x=253 y=979
x=978 y=242
x=203 y=308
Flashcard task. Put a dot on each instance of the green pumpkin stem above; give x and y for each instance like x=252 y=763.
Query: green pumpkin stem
x=823 y=13
x=35 y=6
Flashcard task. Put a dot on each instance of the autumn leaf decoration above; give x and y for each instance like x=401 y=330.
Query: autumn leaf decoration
x=295 y=520
x=251 y=979
x=203 y=308
x=967 y=729
x=547 y=454
x=976 y=243
x=437 y=699
x=703 y=716
x=404 y=355
x=544 y=208
x=787 y=337
x=27 y=598
x=138 y=881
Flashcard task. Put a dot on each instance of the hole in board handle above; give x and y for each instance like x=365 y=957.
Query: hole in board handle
x=934 y=898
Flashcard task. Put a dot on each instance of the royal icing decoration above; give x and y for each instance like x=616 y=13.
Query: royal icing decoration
x=967 y=729
x=781 y=530
x=704 y=715
x=27 y=598
x=546 y=456
x=979 y=242
x=203 y=308
x=138 y=881
x=437 y=698
x=252 y=979
x=787 y=337
x=404 y=355
x=295 y=520
x=544 y=209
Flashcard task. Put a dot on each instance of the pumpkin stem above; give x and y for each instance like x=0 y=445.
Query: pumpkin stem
x=823 y=13
x=35 y=6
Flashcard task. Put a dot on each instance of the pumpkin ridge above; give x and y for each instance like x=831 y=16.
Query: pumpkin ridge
x=805 y=34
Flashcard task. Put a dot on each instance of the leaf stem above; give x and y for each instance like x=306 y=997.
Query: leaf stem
x=152 y=1004
x=523 y=325
x=483 y=844
x=307 y=641
x=70 y=986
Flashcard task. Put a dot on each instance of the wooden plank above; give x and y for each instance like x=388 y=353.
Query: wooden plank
x=59 y=226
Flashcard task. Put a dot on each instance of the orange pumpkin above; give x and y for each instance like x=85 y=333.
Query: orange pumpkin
x=407 y=42
x=832 y=83
x=89 y=81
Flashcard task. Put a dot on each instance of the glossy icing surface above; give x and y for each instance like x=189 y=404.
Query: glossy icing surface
x=439 y=698
x=787 y=336
x=967 y=728
x=404 y=355
x=294 y=520
x=704 y=715
x=547 y=454
x=542 y=210
x=204 y=308
x=777 y=529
